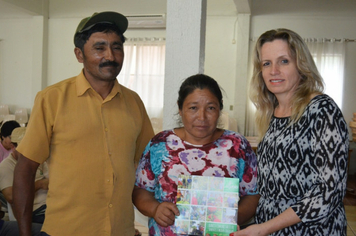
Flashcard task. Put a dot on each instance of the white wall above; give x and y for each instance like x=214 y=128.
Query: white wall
x=62 y=63
x=16 y=50
x=321 y=27
x=220 y=55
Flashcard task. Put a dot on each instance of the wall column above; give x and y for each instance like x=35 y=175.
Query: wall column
x=40 y=46
x=185 y=50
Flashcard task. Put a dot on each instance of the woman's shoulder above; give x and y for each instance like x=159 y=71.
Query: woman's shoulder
x=230 y=132
x=322 y=102
x=323 y=106
x=162 y=135
x=232 y=135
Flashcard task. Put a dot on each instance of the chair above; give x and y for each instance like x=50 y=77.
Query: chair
x=227 y=122
x=21 y=116
x=157 y=124
x=8 y=117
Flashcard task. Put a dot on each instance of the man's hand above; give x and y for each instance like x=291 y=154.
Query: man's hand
x=165 y=213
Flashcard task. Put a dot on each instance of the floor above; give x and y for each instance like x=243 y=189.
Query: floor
x=349 y=201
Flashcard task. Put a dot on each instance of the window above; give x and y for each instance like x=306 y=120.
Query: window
x=143 y=72
x=329 y=57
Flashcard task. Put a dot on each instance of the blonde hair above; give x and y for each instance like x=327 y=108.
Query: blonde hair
x=310 y=83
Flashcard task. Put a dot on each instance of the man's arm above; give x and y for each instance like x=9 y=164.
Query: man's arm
x=23 y=192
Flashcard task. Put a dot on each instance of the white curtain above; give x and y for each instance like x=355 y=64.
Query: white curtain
x=329 y=57
x=143 y=72
x=250 y=127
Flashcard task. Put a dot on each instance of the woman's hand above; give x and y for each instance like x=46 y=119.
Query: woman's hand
x=253 y=230
x=165 y=213
x=285 y=219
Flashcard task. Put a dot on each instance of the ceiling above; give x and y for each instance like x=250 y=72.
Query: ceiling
x=74 y=8
x=332 y=8
x=82 y=8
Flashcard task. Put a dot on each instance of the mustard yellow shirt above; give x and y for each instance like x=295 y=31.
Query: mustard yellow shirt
x=91 y=145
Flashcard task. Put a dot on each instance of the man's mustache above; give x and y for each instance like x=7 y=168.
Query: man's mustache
x=109 y=63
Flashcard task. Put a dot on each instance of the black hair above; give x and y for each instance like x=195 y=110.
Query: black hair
x=8 y=127
x=199 y=81
x=81 y=38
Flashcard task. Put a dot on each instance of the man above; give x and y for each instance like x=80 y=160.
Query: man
x=94 y=131
x=7 y=167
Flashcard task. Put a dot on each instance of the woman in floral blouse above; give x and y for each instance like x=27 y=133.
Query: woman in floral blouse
x=197 y=148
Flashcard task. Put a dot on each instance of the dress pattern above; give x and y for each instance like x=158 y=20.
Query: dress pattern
x=167 y=156
x=303 y=166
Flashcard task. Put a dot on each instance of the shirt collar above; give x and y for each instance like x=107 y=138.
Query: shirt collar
x=83 y=85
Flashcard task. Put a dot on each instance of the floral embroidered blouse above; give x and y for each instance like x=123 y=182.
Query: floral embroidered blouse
x=167 y=156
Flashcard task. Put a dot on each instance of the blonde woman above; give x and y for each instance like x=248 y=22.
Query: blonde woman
x=302 y=155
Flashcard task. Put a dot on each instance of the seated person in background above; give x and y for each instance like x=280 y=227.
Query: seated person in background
x=5 y=135
x=7 y=168
x=6 y=147
x=197 y=148
x=10 y=228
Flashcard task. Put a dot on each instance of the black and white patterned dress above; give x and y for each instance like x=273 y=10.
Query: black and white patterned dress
x=303 y=166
